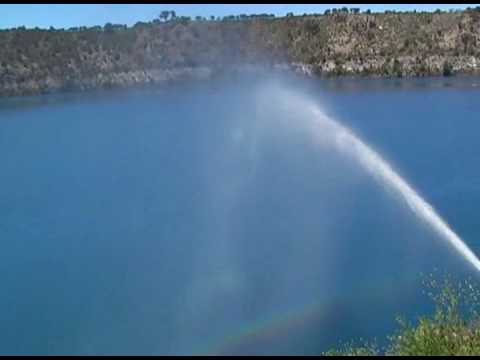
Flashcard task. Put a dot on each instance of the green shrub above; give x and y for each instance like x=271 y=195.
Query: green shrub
x=351 y=350
x=453 y=330
x=447 y=69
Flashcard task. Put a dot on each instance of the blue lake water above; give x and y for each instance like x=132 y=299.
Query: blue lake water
x=189 y=220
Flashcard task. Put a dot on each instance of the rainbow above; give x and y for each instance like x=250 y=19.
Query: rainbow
x=329 y=313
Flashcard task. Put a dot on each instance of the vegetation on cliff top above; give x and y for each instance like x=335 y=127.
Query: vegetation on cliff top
x=339 y=42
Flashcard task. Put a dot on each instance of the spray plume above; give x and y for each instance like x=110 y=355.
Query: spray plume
x=325 y=130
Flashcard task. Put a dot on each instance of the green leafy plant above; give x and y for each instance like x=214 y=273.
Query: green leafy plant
x=453 y=330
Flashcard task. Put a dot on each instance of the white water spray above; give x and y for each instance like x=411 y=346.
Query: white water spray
x=350 y=144
x=326 y=130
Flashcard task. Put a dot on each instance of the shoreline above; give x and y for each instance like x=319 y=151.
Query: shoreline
x=163 y=78
x=332 y=83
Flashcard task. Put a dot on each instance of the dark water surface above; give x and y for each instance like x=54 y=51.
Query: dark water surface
x=185 y=221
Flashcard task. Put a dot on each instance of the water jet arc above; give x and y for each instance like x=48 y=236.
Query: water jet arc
x=323 y=128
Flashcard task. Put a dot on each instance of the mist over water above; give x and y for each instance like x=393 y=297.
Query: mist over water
x=325 y=129
x=236 y=217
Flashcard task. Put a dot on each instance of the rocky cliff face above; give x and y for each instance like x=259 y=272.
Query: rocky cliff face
x=395 y=44
x=401 y=44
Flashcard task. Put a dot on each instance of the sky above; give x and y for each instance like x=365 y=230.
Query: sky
x=70 y=15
